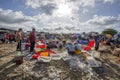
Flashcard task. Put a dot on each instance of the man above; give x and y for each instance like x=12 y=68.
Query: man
x=19 y=39
x=32 y=39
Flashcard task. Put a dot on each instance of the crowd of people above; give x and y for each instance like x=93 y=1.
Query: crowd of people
x=7 y=38
x=72 y=42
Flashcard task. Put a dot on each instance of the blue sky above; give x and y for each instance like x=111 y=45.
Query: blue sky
x=17 y=5
x=60 y=15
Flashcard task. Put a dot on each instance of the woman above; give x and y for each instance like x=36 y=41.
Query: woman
x=19 y=39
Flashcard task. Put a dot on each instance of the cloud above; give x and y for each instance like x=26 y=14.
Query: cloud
x=34 y=4
x=8 y=16
x=14 y=20
x=108 y=1
x=84 y=2
x=44 y=6
x=51 y=6
x=85 y=11
x=7 y=26
x=48 y=9
x=88 y=3
x=56 y=24
x=104 y=20
x=98 y=23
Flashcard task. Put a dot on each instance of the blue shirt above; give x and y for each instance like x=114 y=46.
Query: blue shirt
x=71 y=47
x=78 y=46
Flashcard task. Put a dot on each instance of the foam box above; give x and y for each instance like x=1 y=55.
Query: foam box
x=55 y=56
x=44 y=59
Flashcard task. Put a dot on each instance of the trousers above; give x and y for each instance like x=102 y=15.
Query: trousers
x=32 y=45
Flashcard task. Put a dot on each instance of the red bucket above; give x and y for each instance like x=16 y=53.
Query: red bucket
x=35 y=56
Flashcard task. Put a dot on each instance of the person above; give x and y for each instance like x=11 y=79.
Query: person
x=64 y=43
x=71 y=48
x=49 y=45
x=11 y=37
x=97 y=41
x=77 y=48
x=115 y=50
x=19 y=39
x=32 y=39
x=59 y=46
x=108 y=41
x=7 y=37
x=2 y=38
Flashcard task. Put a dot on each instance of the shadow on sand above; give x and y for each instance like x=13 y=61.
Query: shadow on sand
x=6 y=69
x=112 y=69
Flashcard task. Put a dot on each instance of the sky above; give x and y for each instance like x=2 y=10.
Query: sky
x=60 y=16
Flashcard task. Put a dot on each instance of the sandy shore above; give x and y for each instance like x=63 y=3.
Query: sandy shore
x=55 y=70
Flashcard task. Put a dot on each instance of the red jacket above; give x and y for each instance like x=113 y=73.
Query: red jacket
x=32 y=37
